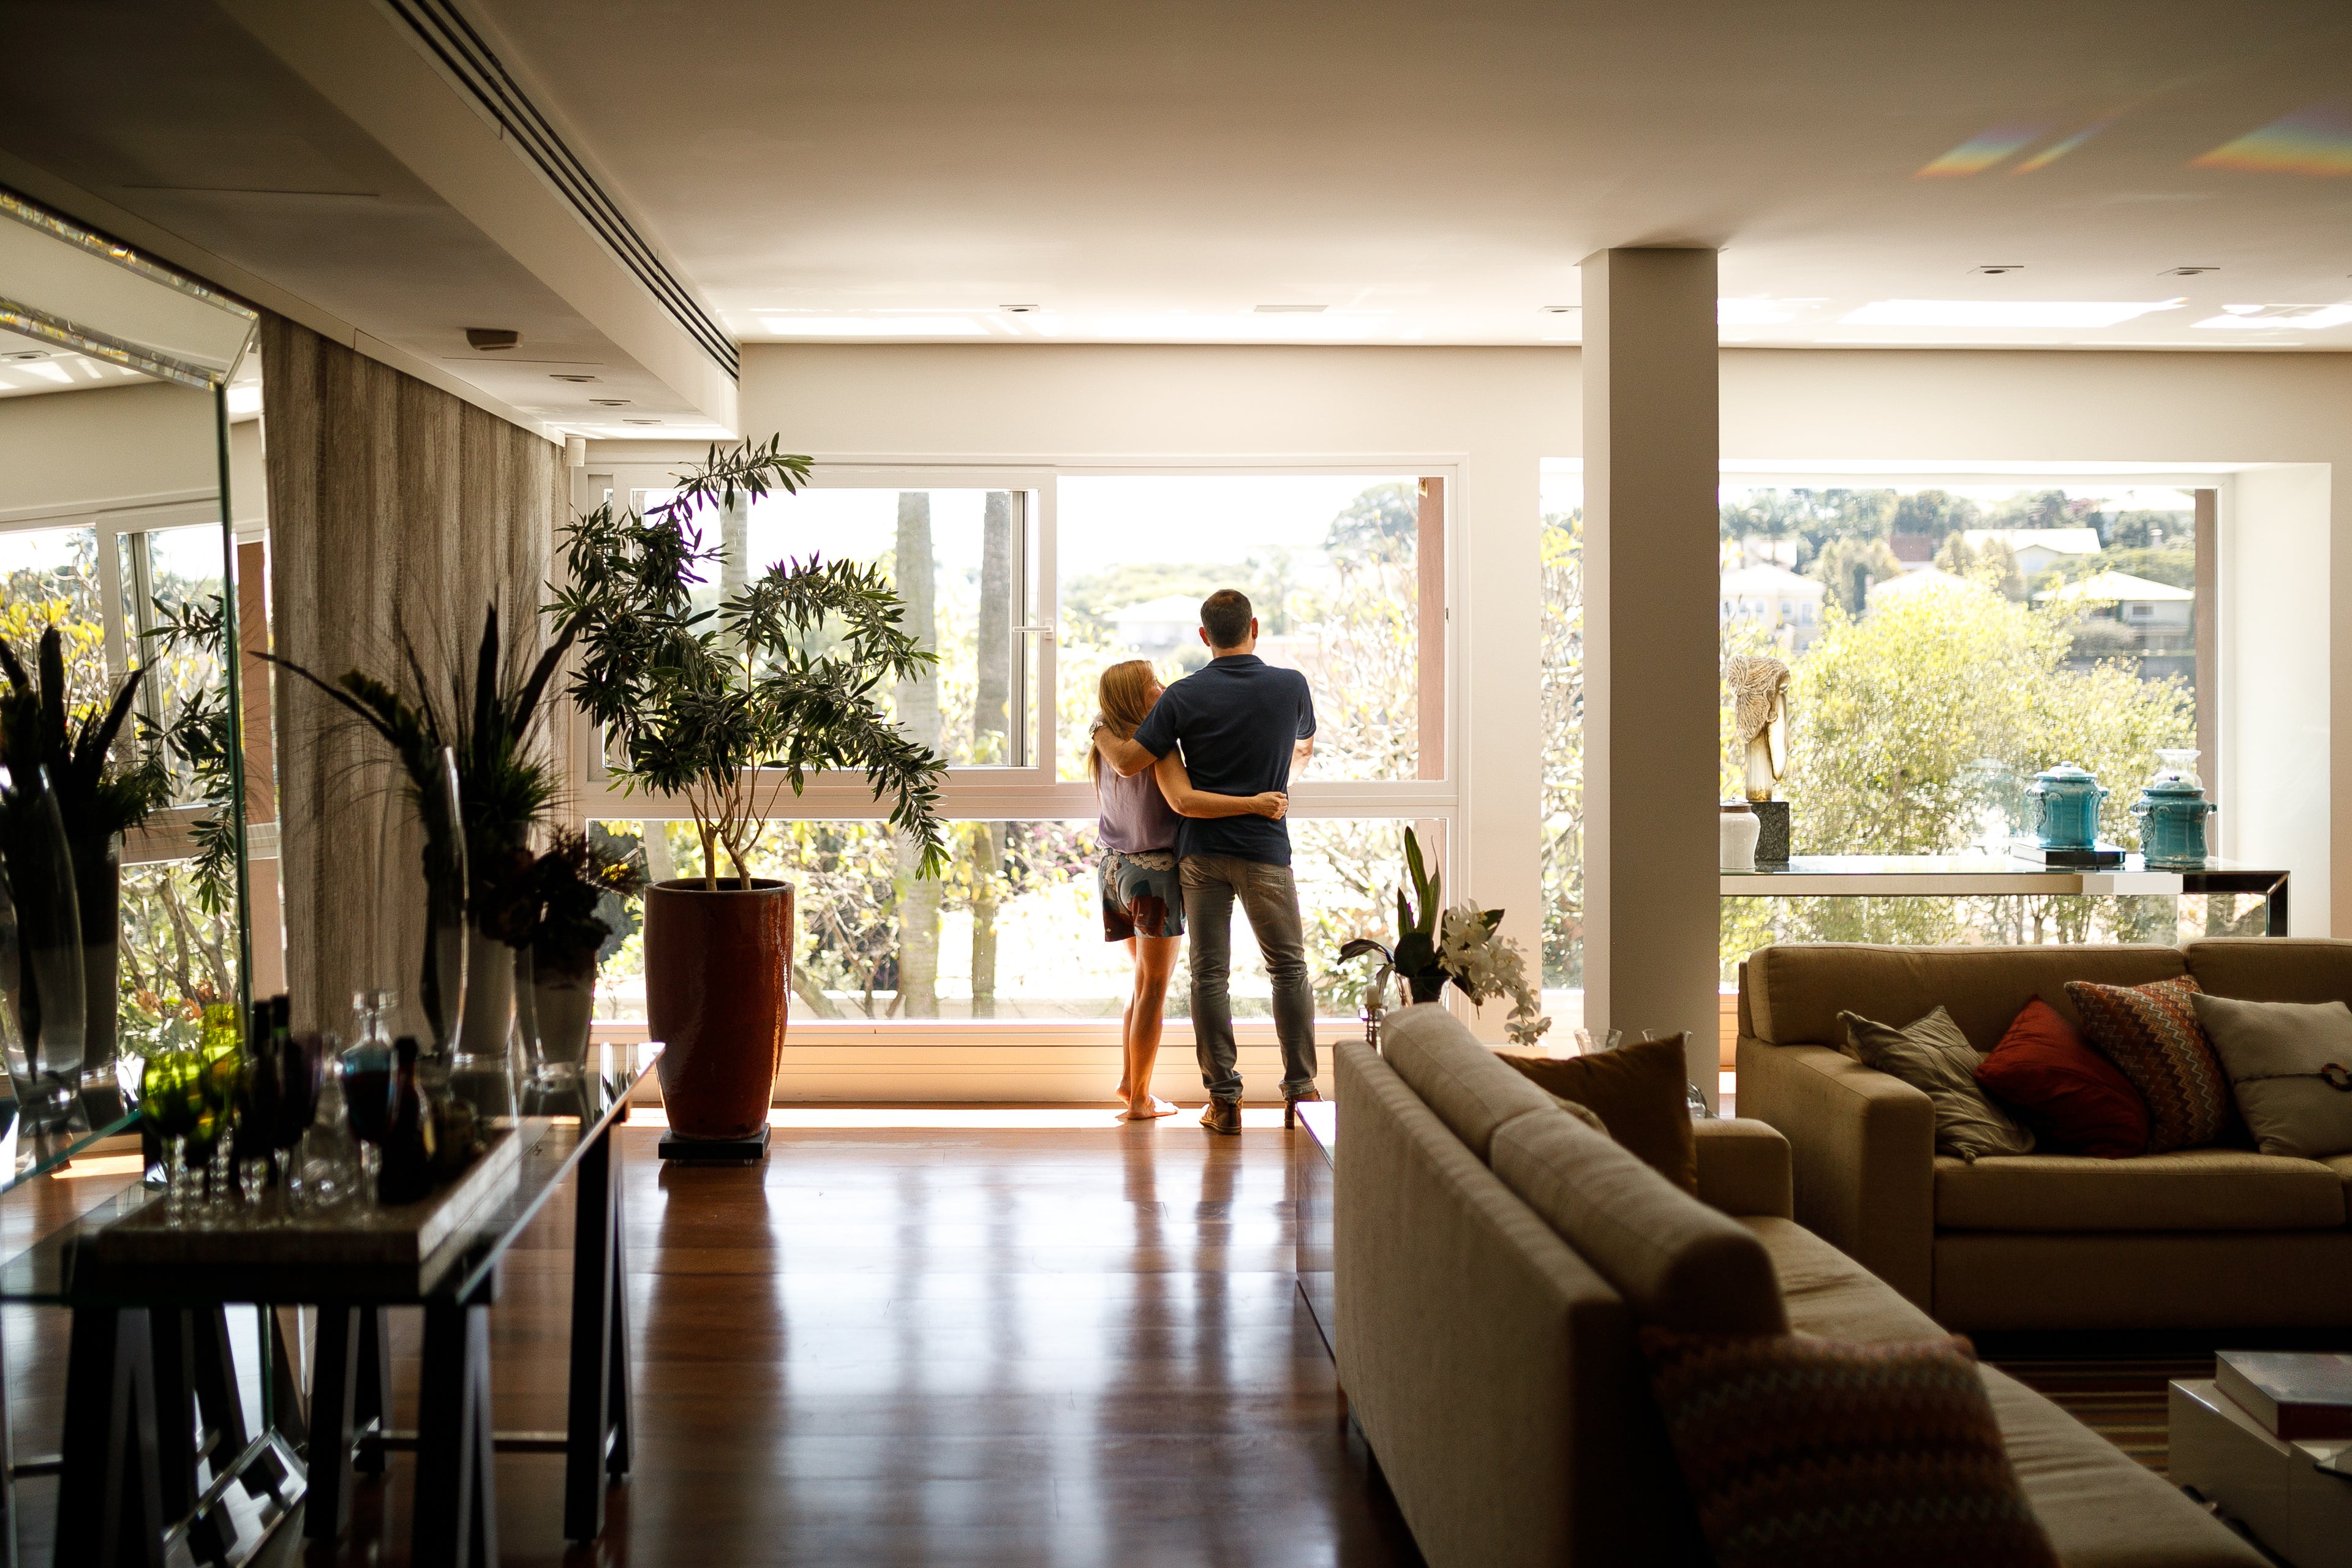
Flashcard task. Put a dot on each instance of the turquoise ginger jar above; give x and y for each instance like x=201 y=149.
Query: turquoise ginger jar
x=2172 y=811
x=2064 y=804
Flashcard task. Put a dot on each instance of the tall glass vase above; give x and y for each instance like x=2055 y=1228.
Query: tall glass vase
x=40 y=950
x=443 y=987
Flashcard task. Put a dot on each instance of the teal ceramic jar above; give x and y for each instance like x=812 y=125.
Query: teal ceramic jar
x=2172 y=811
x=2064 y=803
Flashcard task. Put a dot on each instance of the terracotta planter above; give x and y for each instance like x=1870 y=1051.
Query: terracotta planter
x=718 y=980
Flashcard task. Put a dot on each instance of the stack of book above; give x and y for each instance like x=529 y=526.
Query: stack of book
x=2300 y=1397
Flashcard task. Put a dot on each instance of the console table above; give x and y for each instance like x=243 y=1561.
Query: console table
x=1955 y=876
x=134 y=1489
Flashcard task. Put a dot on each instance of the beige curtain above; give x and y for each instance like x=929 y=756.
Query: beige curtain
x=394 y=509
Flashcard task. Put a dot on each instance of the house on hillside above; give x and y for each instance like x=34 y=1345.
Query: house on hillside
x=1158 y=626
x=2037 y=550
x=2159 y=616
x=1932 y=580
x=1916 y=552
x=1774 y=598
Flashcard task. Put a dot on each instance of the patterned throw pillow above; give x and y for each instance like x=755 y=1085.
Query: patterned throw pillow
x=1805 y=1453
x=2152 y=1034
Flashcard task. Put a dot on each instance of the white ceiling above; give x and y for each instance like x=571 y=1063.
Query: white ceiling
x=1158 y=172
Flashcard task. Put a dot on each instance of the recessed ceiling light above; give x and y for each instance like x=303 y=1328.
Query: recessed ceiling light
x=2004 y=312
x=561 y=376
x=1561 y=309
x=26 y=356
x=1997 y=270
x=1018 y=309
x=1291 y=310
x=640 y=421
x=2187 y=271
x=873 y=326
x=610 y=402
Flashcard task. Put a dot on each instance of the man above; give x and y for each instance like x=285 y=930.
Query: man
x=1241 y=724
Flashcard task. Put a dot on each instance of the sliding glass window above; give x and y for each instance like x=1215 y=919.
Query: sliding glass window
x=1029 y=585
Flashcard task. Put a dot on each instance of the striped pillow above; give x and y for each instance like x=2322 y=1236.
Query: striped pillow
x=2150 y=1032
x=1805 y=1453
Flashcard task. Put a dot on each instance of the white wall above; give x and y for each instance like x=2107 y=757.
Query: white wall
x=118 y=444
x=2275 y=628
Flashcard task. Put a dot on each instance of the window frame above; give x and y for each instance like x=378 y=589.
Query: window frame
x=1033 y=791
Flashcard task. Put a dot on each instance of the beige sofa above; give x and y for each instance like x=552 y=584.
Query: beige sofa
x=2214 y=1238
x=1494 y=1256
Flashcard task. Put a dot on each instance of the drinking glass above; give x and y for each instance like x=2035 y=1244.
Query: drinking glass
x=300 y=1065
x=168 y=1095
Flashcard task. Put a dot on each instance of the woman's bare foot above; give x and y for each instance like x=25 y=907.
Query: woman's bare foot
x=1153 y=1105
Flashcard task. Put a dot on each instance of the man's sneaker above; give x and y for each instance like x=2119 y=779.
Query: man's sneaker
x=1223 y=1116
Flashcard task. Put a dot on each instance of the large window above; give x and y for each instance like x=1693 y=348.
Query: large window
x=1968 y=637
x=1029 y=585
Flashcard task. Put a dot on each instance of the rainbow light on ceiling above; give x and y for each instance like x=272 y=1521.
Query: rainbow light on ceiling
x=1980 y=151
x=2057 y=149
x=2314 y=141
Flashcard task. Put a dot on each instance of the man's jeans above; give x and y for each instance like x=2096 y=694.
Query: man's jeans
x=1212 y=883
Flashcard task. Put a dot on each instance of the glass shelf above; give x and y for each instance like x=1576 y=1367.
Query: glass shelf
x=1977 y=875
x=28 y=1150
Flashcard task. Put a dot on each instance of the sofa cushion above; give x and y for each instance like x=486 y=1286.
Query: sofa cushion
x=2075 y=1100
x=2273 y=968
x=2100 y=1507
x=1676 y=1261
x=1796 y=990
x=2190 y=1189
x=1458 y=1078
x=2152 y=1034
x=1829 y=1295
x=1744 y=1167
x=1820 y=1454
x=1639 y=1091
x=2290 y=1070
x=1932 y=1056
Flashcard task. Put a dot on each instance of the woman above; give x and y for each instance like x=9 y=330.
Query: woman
x=1141 y=902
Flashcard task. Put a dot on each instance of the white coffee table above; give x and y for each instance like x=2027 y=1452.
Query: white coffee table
x=2277 y=1489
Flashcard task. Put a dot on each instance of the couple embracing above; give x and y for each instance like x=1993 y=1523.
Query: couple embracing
x=1193 y=781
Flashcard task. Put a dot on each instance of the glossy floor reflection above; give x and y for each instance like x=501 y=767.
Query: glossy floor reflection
x=940 y=1345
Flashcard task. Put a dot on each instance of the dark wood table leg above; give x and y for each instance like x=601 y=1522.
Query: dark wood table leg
x=457 y=1491
x=178 y=1452
x=2274 y=910
x=372 y=1395
x=589 y=1423
x=334 y=1379
x=109 y=1491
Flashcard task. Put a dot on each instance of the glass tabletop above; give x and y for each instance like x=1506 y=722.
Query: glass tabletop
x=1984 y=864
x=554 y=1123
x=33 y=1145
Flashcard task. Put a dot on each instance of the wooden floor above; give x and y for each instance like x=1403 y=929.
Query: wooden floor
x=933 y=1346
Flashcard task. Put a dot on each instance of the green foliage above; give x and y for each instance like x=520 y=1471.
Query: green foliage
x=1561 y=544
x=781 y=677
x=1383 y=523
x=97 y=796
x=569 y=887
x=1847 y=567
x=1992 y=563
x=1894 y=714
x=1418 y=905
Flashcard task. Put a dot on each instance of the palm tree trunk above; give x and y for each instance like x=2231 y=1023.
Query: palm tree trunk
x=919 y=716
x=992 y=728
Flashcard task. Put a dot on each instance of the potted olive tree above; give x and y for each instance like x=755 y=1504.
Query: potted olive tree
x=721 y=709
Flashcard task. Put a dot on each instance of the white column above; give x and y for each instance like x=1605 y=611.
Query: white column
x=1650 y=646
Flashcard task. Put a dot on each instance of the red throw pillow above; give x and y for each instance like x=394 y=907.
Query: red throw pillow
x=2152 y=1034
x=2074 y=1099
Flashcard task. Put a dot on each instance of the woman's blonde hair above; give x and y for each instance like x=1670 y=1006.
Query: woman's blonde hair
x=1121 y=697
